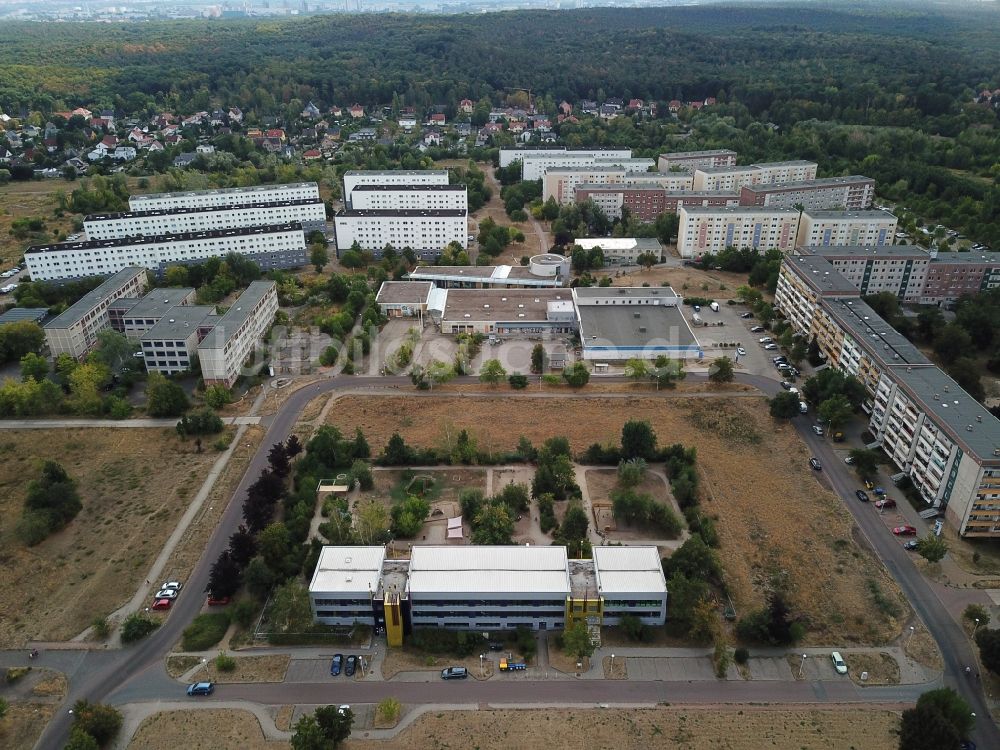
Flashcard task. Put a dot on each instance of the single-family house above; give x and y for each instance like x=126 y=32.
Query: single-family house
x=357 y=111
x=336 y=111
x=566 y=108
x=437 y=118
x=235 y=114
x=312 y=155
x=466 y=106
x=276 y=133
x=205 y=148
x=182 y=161
x=311 y=112
x=433 y=138
x=123 y=153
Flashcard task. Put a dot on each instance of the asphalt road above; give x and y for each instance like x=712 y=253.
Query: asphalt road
x=121 y=676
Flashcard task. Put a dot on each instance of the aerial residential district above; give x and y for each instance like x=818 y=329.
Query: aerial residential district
x=446 y=427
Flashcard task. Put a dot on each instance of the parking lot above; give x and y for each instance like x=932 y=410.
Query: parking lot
x=734 y=332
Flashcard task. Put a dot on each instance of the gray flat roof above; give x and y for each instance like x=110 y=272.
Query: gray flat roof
x=227 y=325
x=158 y=301
x=970 y=423
x=617 y=325
x=820 y=182
x=93 y=298
x=740 y=210
x=21 y=314
x=873 y=214
x=502 y=304
x=355 y=172
x=696 y=154
x=820 y=274
x=970 y=258
x=181 y=322
x=361 y=212
x=157 y=239
x=870 y=329
x=592 y=168
x=404 y=292
x=408 y=188
x=866 y=251
x=225 y=191
x=729 y=169
x=198 y=209
x=625 y=292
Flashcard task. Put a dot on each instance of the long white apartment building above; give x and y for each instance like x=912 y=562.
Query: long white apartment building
x=238 y=196
x=690 y=161
x=733 y=178
x=534 y=167
x=825 y=228
x=427 y=233
x=897 y=269
x=398 y=177
x=932 y=430
x=853 y=193
x=510 y=155
x=410 y=197
x=562 y=183
x=227 y=347
x=310 y=213
x=74 y=331
x=169 y=347
x=271 y=247
x=713 y=229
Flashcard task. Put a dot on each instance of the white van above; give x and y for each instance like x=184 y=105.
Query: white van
x=803 y=407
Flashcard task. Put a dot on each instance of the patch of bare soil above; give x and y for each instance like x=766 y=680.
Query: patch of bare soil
x=134 y=483
x=882 y=669
x=780 y=529
x=229 y=729
x=248 y=669
x=710 y=728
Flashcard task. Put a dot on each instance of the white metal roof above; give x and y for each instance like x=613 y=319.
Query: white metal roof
x=536 y=569
x=348 y=570
x=628 y=569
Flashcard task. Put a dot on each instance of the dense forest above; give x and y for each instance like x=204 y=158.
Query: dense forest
x=784 y=64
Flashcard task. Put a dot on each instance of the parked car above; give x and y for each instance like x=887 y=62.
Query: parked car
x=201 y=688
x=741 y=351
x=879 y=491
x=757 y=329
x=351 y=665
x=869 y=485
x=838 y=662
x=175 y=585
x=162 y=603
x=910 y=545
x=814 y=462
x=885 y=502
x=849 y=460
x=785 y=384
x=770 y=347
x=779 y=358
x=818 y=430
x=862 y=496
x=166 y=594
x=803 y=407
x=496 y=646
x=746 y=315
x=8 y=289
x=904 y=531
x=765 y=340
x=336 y=664
x=454 y=673
x=218 y=602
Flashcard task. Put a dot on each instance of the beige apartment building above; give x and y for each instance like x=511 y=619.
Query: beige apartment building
x=825 y=228
x=853 y=193
x=690 y=161
x=74 y=331
x=713 y=229
x=732 y=179
x=931 y=429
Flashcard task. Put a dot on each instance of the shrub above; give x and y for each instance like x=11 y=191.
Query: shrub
x=225 y=663
x=136 y=627
x=205 y=631
x=101 y=627
x=388 y=710
x=741 y=655
x=218 y=396
x=518 y=382
x=243 y=612
x=16 y=673
x=976 y=612
x=100 y=721
x=328 y=357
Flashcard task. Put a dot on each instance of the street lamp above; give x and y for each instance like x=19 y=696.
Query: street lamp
x=612 y=665
x=977 y=626
x=802 y=664
x=482 y=671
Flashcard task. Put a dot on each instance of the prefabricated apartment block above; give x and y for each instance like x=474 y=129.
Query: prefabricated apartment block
x=237 y=196
x=932 y=430
x=270 y=247
x=310 y=213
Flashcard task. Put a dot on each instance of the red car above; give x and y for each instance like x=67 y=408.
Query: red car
x=162 y=604
x=221 y=601
x=885 y=502
x=904 y=531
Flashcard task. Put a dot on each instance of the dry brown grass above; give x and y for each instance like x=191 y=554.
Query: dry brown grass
x=689 y=282
x=566 y=663
x=711 y=728
x=618 y=671
x=23 y=724
x=52 y=685
x=31 y=199
x=882 y=669
x=779 y=527
x=134 y=483
x=283 y=719
x=248 y=669
x=228 y=729
x=178 y=665
x=403 y=660
x=922 y=648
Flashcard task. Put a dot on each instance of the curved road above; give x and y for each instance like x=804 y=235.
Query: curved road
x=120 y=675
